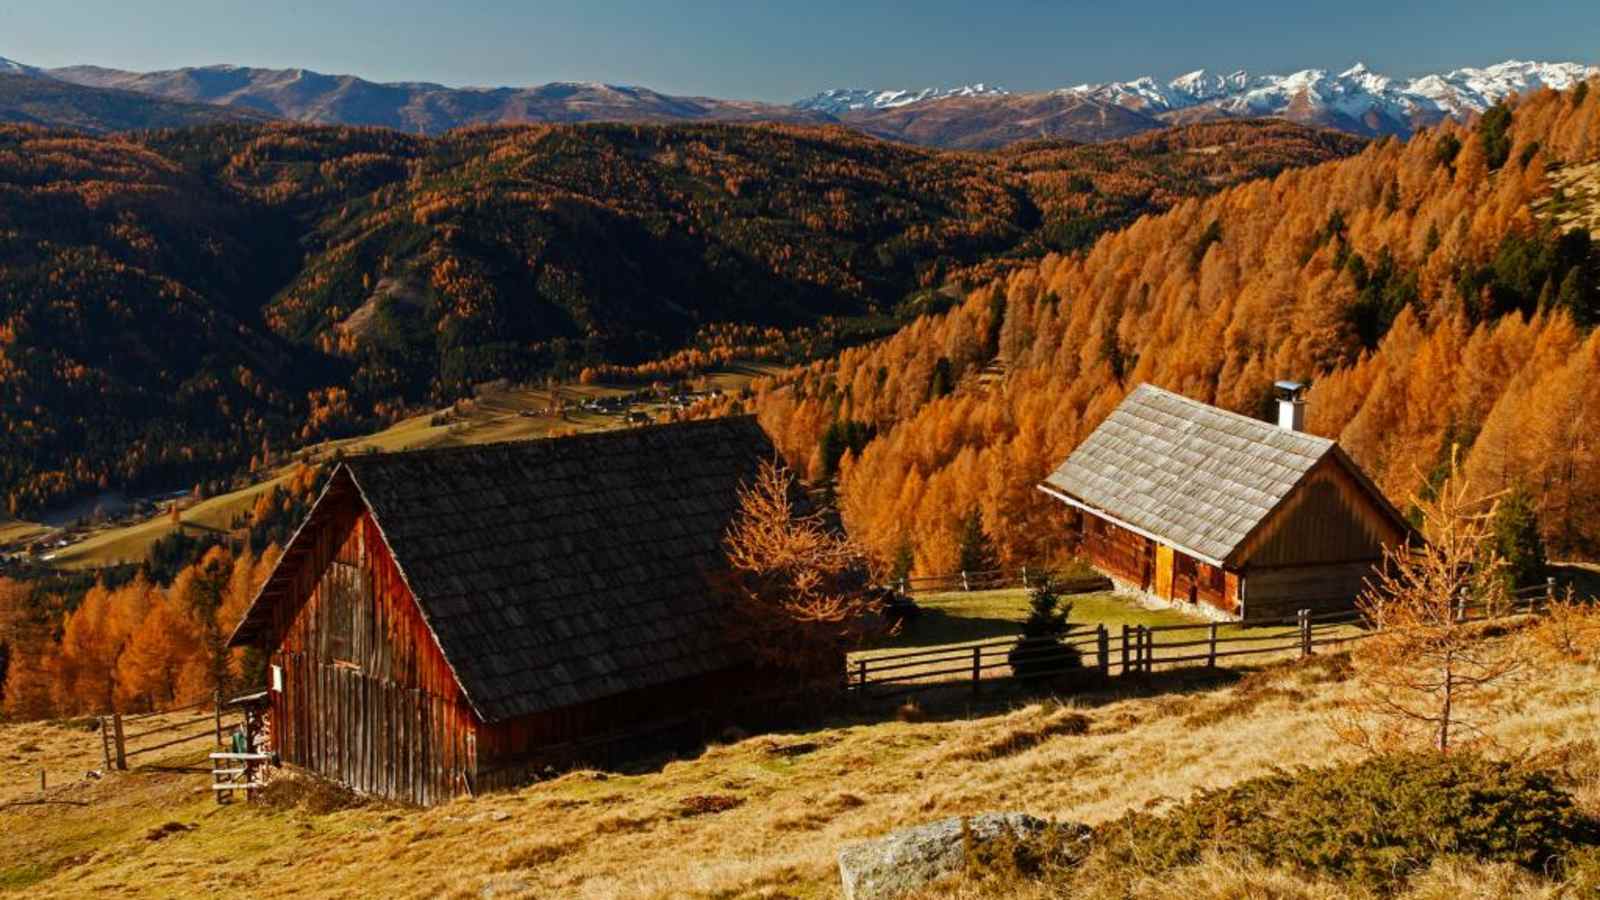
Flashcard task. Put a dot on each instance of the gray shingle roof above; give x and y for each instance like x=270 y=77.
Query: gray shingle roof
x=1192 y=475
x=554 y=572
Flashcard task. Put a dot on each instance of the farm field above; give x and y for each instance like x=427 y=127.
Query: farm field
x=753 y=816
x=500 y=415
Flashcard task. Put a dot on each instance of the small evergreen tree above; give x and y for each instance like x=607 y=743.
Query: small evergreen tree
x=904 y=558
x=1494 y=133
x=943 y=379
x=1517 y=539
x=977 y=550
x=1574 y=296
x=1040 y=652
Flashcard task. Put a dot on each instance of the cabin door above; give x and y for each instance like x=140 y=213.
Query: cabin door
x=1163 y=586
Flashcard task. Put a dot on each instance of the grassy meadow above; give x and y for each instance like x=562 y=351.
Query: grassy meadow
x=749 y=816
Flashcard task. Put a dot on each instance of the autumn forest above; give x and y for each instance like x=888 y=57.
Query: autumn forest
x=181 y=303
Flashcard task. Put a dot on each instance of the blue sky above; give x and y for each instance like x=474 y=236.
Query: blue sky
x=785 y=51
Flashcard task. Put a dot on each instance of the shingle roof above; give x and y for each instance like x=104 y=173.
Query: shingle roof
x=1192 y=475
x=554 y=572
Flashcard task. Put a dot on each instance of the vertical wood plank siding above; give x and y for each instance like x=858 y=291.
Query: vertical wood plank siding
x=390 y=719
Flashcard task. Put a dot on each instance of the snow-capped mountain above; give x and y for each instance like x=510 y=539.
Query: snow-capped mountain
x=1357 y=99
x=843 y=100
x=975 y=116
x=1354 y=92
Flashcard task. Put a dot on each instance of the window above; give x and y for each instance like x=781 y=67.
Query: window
x=344 y=603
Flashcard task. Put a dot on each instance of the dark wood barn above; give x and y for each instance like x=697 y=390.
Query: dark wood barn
x=446 y=621
x=1227 y=515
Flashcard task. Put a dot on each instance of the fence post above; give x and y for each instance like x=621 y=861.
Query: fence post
x=965 y=585
x=1461 y=608
x=105 y=740
x=861 y=668
x=122 y=750
x=1211 y=652
x=905 y=585
x=217 y=695
x=1102 y=646
x=977 y=668
x=1124 y=669
x=1024 y=577
x=1149 y=651
x=1305 y=633
x=1549 y=592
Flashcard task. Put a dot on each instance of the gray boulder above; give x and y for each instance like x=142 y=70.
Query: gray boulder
x=902 y=861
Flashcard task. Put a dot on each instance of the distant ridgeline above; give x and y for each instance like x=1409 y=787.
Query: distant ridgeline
x=1434 y=293
x=177 y=303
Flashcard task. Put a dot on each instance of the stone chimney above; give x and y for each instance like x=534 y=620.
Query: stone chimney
x=1291 y=405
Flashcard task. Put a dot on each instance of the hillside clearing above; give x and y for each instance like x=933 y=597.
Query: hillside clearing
x=1575 y=198
x=760 y=816
x=504 y=414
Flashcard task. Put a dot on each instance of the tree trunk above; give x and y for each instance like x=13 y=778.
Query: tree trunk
x=1445 y=710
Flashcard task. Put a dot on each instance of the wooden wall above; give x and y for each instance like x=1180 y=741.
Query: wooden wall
x=368 y=698
x=1317 y=551
x=1282 y=591
x=1124 y=555
x=1330 y=518
x=508 y=752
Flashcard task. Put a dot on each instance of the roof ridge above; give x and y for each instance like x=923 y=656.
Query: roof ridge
x=386 y=456
x=1267 y=427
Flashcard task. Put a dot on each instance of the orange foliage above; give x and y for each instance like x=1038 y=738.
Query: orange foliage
x=1216 y=299
x=139 y=646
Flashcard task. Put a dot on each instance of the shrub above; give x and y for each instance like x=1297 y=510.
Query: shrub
x=1040 y=652
x=308 y=793
x=1372 y=823
x=1516 y=538
x=707 y=804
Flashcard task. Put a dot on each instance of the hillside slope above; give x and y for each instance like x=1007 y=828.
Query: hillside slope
x=756 y=816
x=28 y=100
x=237 y=288
x=1417 y=286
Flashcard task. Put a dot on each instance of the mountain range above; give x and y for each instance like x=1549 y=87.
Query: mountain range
x=1357 y=100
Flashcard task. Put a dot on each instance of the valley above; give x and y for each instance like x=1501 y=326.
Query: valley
x=494 y=413
x=342 y=280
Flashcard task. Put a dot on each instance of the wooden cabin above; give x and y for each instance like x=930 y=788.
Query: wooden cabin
x=1228 y=516
x=446 y=621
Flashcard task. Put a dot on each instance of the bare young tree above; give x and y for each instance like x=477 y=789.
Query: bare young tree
x=1425 y=661
x=798 y=581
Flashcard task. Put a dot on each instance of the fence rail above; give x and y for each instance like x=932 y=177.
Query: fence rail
x=114 y=739
x=1140 y=649
x=994 y=579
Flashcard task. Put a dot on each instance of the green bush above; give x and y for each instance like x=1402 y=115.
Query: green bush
x=1040 y=652
x=1372 y=823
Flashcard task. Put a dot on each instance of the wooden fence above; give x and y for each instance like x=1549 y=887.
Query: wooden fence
x=118 y=733
x=995 y=579
x=1138 y=649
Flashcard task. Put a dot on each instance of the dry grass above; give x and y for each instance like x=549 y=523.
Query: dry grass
x=1575 y=198
x=763 y=816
